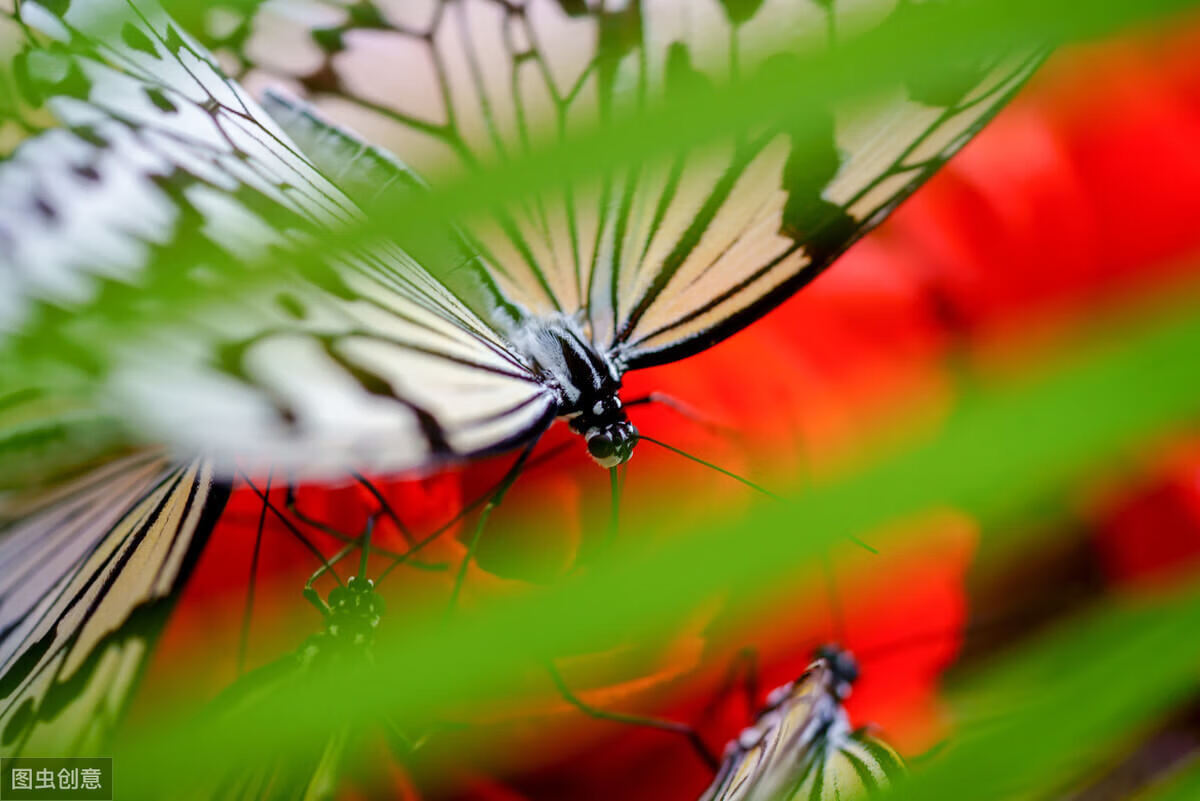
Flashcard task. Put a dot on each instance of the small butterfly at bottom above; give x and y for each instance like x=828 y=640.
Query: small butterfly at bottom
x=802 y=746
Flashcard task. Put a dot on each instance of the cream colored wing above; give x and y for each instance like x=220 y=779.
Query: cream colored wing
x=90 y=574
x=659 y=260
x=168 y=178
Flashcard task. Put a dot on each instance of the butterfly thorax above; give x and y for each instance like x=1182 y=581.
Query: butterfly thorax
x=587 y=383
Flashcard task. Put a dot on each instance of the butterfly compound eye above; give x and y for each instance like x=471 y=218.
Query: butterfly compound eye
x=613 y=444
x=601 y=446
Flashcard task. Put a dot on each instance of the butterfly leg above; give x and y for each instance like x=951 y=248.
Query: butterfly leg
x=740 y=677
x=685 y=410
x=291 y=504
x=310 y=592
x=493 y=501
x=674 y=727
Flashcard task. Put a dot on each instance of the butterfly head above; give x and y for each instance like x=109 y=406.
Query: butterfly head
x=611 y=444
x=606 y=430
x=843 y=667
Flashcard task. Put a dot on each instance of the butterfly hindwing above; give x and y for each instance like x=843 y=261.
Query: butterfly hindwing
x=90 y=574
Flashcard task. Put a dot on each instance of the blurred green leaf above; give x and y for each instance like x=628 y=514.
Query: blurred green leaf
x=1047 y=712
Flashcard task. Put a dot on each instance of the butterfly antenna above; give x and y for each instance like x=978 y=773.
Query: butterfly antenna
x=406 y=557
x=493 y=501
x=684 y=410
x=293 y=507
x=244 y=637
x=746 y=481
x=674 y=727
x=756 y=487
x=909 y=641
x=997 y=623
x=837 y=615
x=365 y=546
x=741 y=676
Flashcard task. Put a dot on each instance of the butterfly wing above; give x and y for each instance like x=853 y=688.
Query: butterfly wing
x=169 y=174
x=663 y=259
x=801 y=747
x=91 y=571
x=856 y=766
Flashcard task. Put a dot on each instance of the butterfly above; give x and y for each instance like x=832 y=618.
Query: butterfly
x=802 y=747
x=535 y=312
x=167 y=175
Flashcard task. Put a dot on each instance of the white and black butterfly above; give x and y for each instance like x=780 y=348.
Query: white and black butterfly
x=390 y=363
x=802 y=746
x=167 y=174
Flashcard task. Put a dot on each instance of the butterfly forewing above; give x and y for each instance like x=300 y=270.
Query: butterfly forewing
x=169 y=174
x=661 y=259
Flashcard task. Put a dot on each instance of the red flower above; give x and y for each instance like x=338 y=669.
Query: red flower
x=1086 y=189
x=1148 y=529
x=1083 y=189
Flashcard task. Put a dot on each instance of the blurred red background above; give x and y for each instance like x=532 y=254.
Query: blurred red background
x=1085 y=191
